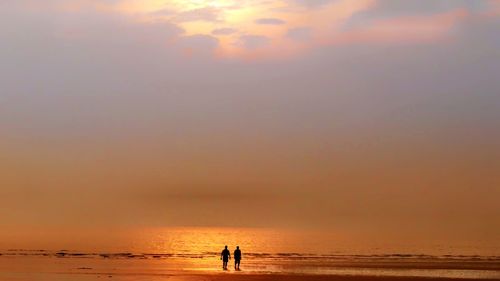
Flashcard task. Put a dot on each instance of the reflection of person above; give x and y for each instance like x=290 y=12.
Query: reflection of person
x=225 y=256
x=237 y=257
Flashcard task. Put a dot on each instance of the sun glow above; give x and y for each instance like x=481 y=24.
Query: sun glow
x=256 y=29
x=151 y=6
x=233 y=24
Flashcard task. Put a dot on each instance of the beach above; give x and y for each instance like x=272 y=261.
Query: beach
x=277 y=277
x=268 y=254
x=41 y=265
x=214 y=277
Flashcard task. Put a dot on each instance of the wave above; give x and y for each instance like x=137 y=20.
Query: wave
x=275 y=256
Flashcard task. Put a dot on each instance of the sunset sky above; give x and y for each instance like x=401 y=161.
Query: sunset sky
x=342 y=115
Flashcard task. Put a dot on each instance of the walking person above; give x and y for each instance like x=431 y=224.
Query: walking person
x=237 y=258
x=225 y=256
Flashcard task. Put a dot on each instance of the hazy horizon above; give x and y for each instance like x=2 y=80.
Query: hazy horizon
x=366 y=118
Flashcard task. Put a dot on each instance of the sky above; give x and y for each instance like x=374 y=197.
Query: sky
x=360 y=116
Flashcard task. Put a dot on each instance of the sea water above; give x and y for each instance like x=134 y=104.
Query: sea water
x=163 y=251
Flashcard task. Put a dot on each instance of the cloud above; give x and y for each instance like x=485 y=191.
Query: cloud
x=208 y=14
x=299 y=33
x=199 y=44
x=387 y=8
x=416 y=29
x=224 y=31
x=270 y=21
x=390 y=9
x=254 y=41
x=163 y=13
x=102 y=106
x=313 y=3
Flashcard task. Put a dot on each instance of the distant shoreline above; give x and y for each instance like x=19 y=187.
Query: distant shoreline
x=295 y=260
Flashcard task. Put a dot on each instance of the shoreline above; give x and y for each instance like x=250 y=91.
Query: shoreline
x=55 y=268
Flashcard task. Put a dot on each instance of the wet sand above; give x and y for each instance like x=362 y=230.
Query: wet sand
x=278 y=277
x=214 y=277
x=47 y=266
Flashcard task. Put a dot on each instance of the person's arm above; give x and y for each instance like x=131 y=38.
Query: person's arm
x=221 y=254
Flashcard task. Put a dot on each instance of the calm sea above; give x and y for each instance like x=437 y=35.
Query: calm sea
x=162 y=251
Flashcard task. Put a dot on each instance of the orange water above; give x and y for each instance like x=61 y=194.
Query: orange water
x=164 y=251
x=196 y=241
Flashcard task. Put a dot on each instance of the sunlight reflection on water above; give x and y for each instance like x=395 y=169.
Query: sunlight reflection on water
x=167 y=250
x=209 y=240
x=262 y=241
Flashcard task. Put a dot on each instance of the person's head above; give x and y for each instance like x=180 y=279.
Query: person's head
x=238 y=247
x=225 y=247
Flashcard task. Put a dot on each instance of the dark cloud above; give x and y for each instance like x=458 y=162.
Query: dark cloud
x=224 y=31
x=314 y=3
x=254 y=41
x=199 y=44
x=270 y=21
x=386 y=9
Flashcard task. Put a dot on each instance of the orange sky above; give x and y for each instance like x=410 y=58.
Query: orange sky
x=347 y=115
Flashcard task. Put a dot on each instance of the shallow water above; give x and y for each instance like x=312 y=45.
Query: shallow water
x=161 y=252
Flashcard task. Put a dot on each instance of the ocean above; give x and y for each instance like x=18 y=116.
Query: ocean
x=162 y=251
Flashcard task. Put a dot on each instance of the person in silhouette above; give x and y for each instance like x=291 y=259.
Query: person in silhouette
x=225 y=256
x=237 y=258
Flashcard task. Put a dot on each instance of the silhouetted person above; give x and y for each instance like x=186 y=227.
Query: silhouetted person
x=225 y=256
x=237 y=258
